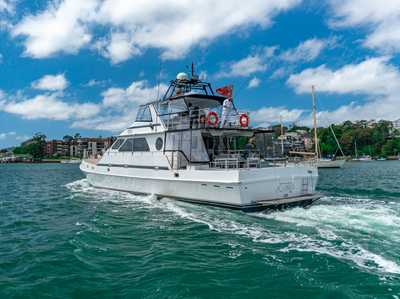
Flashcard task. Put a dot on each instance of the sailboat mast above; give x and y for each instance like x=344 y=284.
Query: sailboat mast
x=337 y=141
x=314 y=108
x=282 y=147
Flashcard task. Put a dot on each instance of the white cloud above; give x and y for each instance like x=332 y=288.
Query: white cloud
x=7 y=6
x=6 y=135
x=139 y=92
x=51 y=82
x=94 y=82
x=60 y=28
x=306 y=51
x=119 y=106
x=49 y=106
x=267 y=115
x=244 y=67
x=113 y=123
x=254 y=82
x=381 y=19
x=120 y=48
x=374 y=78
x=169 y=25
x=116 y=111
x=371 y=76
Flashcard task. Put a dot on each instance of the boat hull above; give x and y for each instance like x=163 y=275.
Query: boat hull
x=245 y=189
x=330 y=163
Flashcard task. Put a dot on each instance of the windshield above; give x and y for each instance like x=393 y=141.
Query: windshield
x=143 y=114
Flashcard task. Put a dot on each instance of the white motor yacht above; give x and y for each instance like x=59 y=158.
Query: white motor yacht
x=177 y=148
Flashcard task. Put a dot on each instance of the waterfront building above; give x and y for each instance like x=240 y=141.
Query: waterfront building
x=84 y=147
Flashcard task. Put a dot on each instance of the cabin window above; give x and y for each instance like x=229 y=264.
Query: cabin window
x=144 y=114
x=140 y=145
x=135 y=145
x=177 y=106
x=127 y=146
x=117 y=143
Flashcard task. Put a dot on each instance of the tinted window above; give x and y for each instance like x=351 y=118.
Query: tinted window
x=177 y=106
x=140 y=145
x=143 y=114
x=117 y=143
x=135 y=145
x=127 y=146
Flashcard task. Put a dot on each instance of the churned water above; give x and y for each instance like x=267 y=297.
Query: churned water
x=61 y=238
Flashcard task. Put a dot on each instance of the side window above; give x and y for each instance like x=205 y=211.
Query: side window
x=117 y=143
x=140 y=145
x=163 y=107
x=144 y=114
x=127 y=146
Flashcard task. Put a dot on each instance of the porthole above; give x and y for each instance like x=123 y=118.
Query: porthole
x=159 y=143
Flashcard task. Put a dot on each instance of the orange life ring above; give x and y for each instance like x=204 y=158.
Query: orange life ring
x=212 y=118
x=244 y=120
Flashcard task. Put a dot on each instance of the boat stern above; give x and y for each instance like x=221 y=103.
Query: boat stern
x=278 y=186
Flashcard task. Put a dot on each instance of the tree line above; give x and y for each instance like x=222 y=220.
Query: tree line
x=378 y=139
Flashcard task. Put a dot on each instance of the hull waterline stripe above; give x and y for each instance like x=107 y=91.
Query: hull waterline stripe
x=134 y=166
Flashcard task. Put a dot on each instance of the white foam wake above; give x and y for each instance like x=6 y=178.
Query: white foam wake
x=334 y=225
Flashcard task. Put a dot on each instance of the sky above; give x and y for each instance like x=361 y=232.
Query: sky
x=69 y=66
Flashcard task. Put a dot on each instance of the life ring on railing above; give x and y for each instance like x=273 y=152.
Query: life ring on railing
x=212 y=118
x=244 y=120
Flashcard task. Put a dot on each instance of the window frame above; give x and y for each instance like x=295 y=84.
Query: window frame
x=114 y=146
x=141 y=115
x=134 y=146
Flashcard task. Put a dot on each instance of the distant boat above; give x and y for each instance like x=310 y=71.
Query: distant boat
x=363 y=158
x=381 y=159
x=319 y=161
x=329 y=163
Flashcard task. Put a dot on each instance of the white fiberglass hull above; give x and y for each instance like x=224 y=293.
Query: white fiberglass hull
x=325 y=163
x=247 y=189
x=330 y=163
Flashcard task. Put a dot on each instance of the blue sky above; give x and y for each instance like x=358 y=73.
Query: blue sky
x=70 y=66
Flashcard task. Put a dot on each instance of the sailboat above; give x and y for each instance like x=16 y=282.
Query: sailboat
x=319 y=161
x=363 y=158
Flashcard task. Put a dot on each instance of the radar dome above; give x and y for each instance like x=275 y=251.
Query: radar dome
x=182 y=77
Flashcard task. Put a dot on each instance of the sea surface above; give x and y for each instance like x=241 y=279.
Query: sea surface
x=61 y=238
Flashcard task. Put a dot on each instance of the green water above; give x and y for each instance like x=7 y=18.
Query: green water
x=60 y=238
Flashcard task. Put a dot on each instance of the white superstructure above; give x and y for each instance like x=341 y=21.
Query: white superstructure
x=176 y=149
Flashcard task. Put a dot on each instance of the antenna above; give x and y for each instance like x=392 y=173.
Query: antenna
x=280 y=120
x=314 y=105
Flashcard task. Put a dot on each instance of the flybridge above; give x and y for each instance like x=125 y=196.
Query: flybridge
x=184 y=85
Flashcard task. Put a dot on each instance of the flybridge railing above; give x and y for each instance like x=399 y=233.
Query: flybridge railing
x=203 y=118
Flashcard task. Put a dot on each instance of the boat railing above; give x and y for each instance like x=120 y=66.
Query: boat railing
x=202 y=118
x=237 y=159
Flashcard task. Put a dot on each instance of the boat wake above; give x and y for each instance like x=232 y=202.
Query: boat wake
x=362 y=232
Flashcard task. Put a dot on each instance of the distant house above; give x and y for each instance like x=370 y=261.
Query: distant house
x=396 y=124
